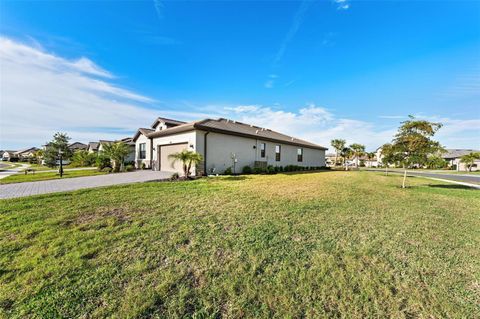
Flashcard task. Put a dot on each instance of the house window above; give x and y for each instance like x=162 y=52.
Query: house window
x=277 y=153
x=142 y=153
x=300 y=154
x=262 y=149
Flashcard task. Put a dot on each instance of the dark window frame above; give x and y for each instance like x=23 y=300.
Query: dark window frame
x=300 y=155
x=278 y=152
x=263 y=150
x=142 y=154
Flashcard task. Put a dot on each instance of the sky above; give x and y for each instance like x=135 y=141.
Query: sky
x=316 y=70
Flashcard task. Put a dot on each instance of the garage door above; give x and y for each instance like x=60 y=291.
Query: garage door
x=166 y=163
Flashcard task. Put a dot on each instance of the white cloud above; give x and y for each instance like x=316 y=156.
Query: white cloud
x=342 y=4
x=41 y=93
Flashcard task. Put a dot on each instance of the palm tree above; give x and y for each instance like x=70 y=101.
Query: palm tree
x=188 y=158
x=370 y=157
x=338 y=145
x=358 y=150
x=346 y=153
x=117 y=152
x=469 y=159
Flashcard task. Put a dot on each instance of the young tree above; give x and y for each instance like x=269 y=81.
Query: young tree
x=357 y=150
x=116 y=152
x=82 y=158
x=338 y=145
x=469 y=159
x=346 y=153
x=188 y=158
x=54 y=147
x=388 y=156
x=435 y=161
x=413 y=143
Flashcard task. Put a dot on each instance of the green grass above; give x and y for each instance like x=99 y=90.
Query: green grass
x=39 y=176
x=329 y=244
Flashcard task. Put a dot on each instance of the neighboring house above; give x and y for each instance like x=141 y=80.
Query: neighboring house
x=223 y=143
x=77 y=146
x=8 y=155
x=25 y=154
x=92 y=147
x=453 y=158
x=330 y=159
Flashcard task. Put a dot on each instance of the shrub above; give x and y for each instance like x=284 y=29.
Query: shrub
x=228 y=171
x=102 y=162
x=258 y=170
x=270 y=169
x=129 y=168
x=174 y=176
x=106 y=169
x=247 y=170
x=143 y=166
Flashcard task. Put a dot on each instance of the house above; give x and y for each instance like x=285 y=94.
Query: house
x=25 y=154
x=92 y=147
x=223 y=143
x=8 y=155
x=77 y=146
x=453 y=158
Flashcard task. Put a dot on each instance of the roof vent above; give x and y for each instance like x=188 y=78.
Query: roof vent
x=256 y=132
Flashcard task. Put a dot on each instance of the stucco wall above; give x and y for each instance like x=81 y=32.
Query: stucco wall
x=188 y=137
x=138 y=162
x=247 y=150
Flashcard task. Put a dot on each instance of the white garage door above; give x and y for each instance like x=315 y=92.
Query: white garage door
x=168 y=164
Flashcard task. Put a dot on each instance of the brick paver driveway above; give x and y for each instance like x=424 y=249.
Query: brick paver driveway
x=71 y=184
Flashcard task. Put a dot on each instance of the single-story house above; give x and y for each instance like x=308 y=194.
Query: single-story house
x=25 y=153
x=77 y=146
x=92 y=147
x=453 y=158
x=224 y=144
x=7 y=155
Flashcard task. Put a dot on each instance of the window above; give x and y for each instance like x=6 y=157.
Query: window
x=142 y=153
x=262 y=149
x=300 y=154
x=277 y=152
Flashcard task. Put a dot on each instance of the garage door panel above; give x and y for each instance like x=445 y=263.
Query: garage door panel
x=168 y=164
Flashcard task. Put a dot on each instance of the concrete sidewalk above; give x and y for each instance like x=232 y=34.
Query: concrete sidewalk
x=71 y=184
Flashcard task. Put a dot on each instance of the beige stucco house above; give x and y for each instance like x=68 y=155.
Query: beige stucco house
x=223 y=144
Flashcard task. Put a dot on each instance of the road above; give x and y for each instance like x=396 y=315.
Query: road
x=454 y=177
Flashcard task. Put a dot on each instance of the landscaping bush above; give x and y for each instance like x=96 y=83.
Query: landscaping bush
x=102 y=162
x=228 y=171
x=258 y=170
x=129 y=168
x=271 y=169
x=174 y=177
x=143 y=166
x=247 y=170
x=106 y=169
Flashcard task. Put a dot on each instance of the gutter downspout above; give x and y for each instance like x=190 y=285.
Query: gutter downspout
x=205 y=153
x=151 y=153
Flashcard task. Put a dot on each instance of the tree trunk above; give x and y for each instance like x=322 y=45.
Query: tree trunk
x=336 y=155
x=386 y=170
x=404 y=177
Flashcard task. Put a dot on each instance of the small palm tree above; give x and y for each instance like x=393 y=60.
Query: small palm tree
x=469 y=159
x=117 y=152
x=358 y=150
x=346 y=153
x=188 y=158
x=338 y=145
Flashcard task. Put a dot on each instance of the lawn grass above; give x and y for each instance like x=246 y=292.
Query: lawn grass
x=43 y=176
x=329 y=244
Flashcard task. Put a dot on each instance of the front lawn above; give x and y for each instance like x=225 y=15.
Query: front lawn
x=327 y=244
x=43 y=176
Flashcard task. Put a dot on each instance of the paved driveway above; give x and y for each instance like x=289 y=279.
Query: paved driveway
x=455 y=177
x=71 y=184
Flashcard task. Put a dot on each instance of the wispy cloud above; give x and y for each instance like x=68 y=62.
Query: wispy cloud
x=342 y=4
x=158 y=5
x=270 y=83
x=42 y=93
x=292 y=31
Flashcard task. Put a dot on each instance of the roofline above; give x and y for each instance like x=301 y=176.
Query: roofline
x=167 y=121
x=199 y=126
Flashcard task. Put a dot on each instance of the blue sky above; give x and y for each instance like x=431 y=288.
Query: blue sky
x=313 y=69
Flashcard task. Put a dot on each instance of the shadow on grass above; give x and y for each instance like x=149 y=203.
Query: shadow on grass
x=235 y=178
x=453 y=186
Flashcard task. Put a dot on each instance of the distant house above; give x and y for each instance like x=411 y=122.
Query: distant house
x=224 y=144
x=77 y=146
x=127 y=140
x=25 y=154
x=92 y=147
x=330 y=159
x=453 y=158
x=8 y=155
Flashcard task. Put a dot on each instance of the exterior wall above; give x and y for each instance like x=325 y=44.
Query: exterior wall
x=462 y=167
x=138 y=162
x=187 y=137
x=247 y=150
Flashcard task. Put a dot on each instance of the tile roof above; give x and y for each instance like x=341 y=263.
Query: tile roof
x=455 y=153
x=166 y=121
x=226 y=126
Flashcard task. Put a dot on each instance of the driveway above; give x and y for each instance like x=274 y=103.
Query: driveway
x=454 y=177
x=11 y=171
x=71 y=184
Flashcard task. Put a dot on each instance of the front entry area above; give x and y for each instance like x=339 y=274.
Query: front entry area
x=166 y=163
